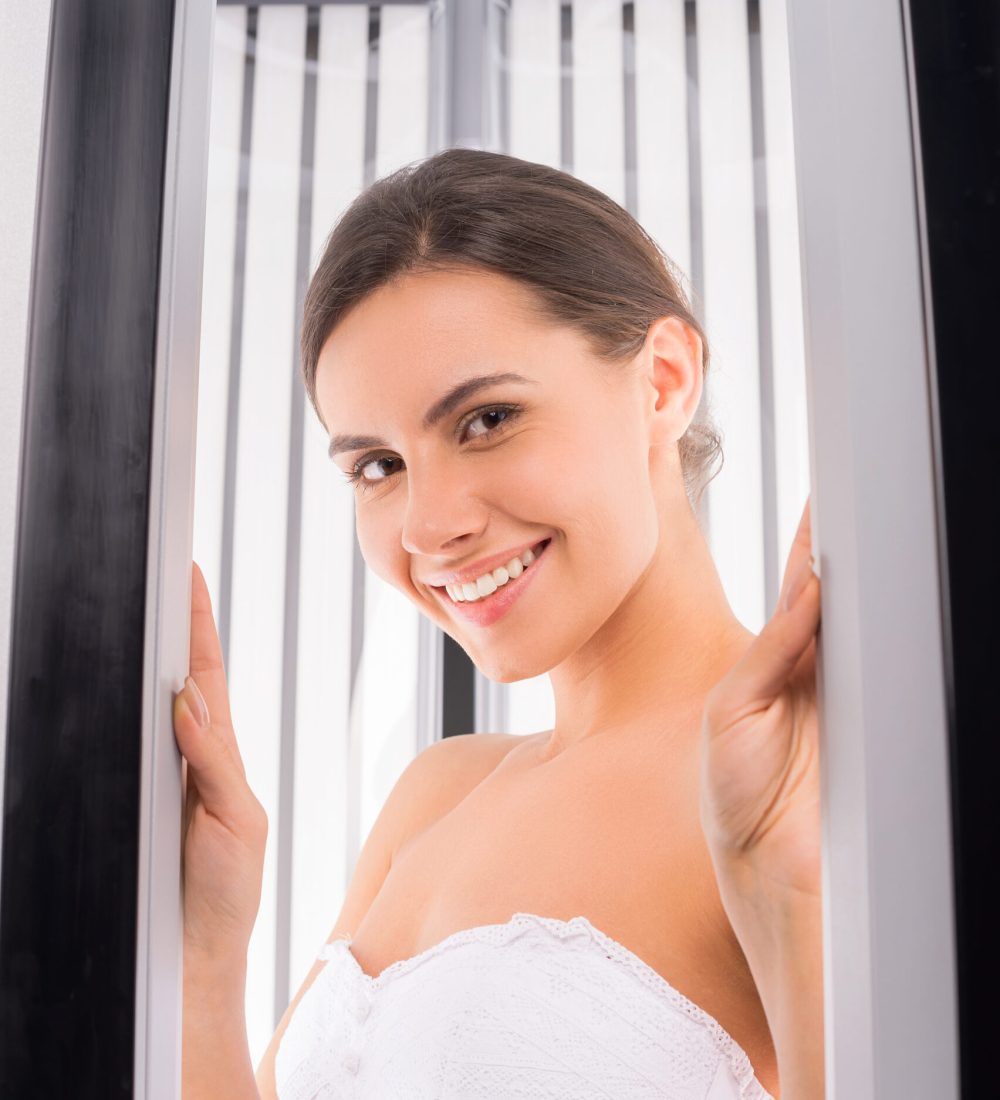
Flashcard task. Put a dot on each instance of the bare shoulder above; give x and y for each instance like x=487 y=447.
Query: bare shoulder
x=445 y=772
x=433 y=782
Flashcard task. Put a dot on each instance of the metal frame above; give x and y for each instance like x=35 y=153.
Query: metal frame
x=75 y=875
x=159 y=960
x=888 y=921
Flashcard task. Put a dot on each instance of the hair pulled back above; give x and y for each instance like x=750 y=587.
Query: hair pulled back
x=589 y=262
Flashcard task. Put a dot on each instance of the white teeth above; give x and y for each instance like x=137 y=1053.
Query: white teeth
x=488 y=583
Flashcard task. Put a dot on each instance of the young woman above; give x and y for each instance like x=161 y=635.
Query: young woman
x=628 y=904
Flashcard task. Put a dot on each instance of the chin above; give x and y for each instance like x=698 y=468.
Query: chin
x=510 y=663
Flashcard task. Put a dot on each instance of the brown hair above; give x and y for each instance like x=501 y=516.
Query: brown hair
x=589 y=262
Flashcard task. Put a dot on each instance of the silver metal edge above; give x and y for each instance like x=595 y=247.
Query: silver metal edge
x=887 y=869
x=430 y=672
x=159 y=953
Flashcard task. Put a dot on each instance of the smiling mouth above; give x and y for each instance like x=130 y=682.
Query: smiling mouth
x=486 y=587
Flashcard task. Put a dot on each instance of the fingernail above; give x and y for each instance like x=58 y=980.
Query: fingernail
x=798 y=584
x=196 y=703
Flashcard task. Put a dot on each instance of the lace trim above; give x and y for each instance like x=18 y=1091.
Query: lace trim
x=519 y=923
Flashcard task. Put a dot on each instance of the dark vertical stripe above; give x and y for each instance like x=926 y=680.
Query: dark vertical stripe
x=697 y=273
x=293 y=536
x=502 y=67
x=458 y=713
x=371 y=94
x=69 y=871
x=765 y=348
x=225 y=598
x=628 y=70
x=566 y=87
x=956 y=70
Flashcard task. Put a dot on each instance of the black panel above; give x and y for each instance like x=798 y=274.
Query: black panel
x=459 y=690
x=71 y=796
x=956 y=45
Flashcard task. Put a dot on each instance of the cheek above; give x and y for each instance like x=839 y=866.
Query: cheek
x=379 y=538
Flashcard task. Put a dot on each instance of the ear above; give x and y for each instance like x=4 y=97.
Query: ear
x=673 y=358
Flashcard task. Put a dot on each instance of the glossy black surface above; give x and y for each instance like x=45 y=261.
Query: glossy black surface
x=71 y=797
x=956 y=47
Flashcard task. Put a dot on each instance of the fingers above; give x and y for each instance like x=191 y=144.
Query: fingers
x=207 y=668
x=768 y=663
x=799 y=553
x=219 y=780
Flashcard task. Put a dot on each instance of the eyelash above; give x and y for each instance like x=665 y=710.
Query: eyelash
x=353 y=476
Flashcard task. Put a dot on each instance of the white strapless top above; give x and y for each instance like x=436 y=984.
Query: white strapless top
x=536 y=1007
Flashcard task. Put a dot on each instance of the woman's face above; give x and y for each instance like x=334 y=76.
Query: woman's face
x=458 y=475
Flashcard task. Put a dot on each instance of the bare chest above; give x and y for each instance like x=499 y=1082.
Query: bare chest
x=556 y=841
x=613 y=841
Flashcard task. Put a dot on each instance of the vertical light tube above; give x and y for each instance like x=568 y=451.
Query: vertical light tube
x=735 y=496
x=598 y=96
x=788 y=375
x=327 y=537
x=661 y=127
x=534 y=81
x=388 y=720
x=259 y=541
x=228 y=63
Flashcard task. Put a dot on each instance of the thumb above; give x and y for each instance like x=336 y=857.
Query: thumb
x=763 y=671
x=218 y=777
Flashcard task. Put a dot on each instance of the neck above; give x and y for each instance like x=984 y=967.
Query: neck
x=652 y=663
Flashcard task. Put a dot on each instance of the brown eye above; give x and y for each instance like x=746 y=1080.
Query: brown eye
x=492 y=418
x=370 y=470
x=378 y=464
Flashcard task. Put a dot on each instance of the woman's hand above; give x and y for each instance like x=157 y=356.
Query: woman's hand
x=760 y=811
x=760 y=794
x=225 y=827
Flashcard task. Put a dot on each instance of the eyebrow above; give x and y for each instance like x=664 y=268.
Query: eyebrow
x=440 y=409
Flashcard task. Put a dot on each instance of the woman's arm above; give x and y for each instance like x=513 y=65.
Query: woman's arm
x=225 y=835
x=760 y=812
x=215 y=1057
x=781 y=933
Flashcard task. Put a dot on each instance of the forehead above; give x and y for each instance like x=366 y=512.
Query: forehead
x=426 y=327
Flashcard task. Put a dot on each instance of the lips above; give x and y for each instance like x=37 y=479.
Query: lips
x=472 y=572
x=488 y=609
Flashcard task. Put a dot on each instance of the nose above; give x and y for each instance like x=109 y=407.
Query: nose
x=444 y=511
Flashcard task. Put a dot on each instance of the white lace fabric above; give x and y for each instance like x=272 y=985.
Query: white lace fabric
x=533 y=1008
